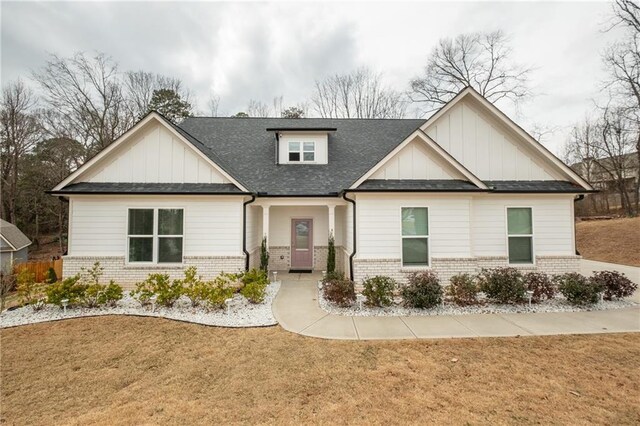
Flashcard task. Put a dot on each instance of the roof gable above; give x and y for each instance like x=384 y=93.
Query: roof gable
x=13 y=236
x=491 y=145
x=153 y=151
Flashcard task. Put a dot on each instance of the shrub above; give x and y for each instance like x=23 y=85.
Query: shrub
x=577 y=289
x=463 y=290
x=502 y=285
x=541 y=285
x=193 y=287
x=614 y=284
x=70 y=289
x=216 y=292
x=339 y=290
x=264 y=255
x=92 y=275
x=111 y=294
x=159 y=285
x=379 y=290
x=331 y=276
x=423 y=290
x=7 y=285
x=99 y=295
x=30 y=292
x=51 y=276
x=89 y=298
x=254 y=291
x=331 y=254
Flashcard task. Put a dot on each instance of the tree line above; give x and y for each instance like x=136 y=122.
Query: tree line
x=84 y=102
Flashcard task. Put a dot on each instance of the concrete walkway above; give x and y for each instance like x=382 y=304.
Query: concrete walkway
x=296 y=309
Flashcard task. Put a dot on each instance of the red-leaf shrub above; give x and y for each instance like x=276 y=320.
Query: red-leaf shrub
x=614 y=284
x=541 y=285
x=463 y=290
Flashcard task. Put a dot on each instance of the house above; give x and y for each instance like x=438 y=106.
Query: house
x=463 y=190
x=14 y=246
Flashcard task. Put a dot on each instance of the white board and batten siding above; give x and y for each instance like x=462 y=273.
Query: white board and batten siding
x=485 y=145
x=416 y=161
x=212 y=225
x=462 y=226
x=155 y=155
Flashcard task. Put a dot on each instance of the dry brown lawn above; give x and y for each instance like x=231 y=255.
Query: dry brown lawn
x=615 y=240
x=131 y=370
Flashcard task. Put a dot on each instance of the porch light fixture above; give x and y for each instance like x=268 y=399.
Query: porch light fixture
x=65 y=303
x=529 y=296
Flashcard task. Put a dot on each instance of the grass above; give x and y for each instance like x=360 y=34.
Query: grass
x=131 y=370
x=615 y=240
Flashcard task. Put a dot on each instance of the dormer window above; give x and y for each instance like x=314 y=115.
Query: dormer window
x=302 y=152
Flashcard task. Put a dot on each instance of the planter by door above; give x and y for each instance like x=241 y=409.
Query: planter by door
x=302 y=244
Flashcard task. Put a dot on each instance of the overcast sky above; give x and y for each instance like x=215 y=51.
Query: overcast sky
x=245 y=51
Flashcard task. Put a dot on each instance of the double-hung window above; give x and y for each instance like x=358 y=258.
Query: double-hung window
x=155 y=235
x=520 y=234
x=415 y=236
x=303 y=152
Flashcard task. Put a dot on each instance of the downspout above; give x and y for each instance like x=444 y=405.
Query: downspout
x=244 y=231
x=575 y=200
x=353 y=253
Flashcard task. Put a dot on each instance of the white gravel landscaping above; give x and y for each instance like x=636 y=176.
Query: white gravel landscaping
x=558 y=304
x=241 y=313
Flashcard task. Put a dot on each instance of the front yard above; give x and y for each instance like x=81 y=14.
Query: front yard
x=131 y=370
x=615 y=240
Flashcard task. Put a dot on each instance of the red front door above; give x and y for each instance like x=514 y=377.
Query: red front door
x=301 y=243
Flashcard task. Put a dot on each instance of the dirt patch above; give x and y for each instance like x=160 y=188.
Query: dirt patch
x=615 y=240
x=126 y=370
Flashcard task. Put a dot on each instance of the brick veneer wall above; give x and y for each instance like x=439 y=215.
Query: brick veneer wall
x=320 y=254
x=447 y=267
x=127 y=275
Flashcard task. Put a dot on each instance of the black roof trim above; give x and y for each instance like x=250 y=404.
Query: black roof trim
x=301 y=129
x=123 y=188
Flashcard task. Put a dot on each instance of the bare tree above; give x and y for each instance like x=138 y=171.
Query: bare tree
x=580 y=153
x=88 y=92
x=479 y=60
x=140 y=86
x=258 y=109
x=359 y=94
x=213 y=104
x=20 y=132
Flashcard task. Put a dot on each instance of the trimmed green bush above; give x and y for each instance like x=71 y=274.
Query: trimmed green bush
x=111 y=294
x=577 y=289
x=502 y=285
x=422 y=291
x=541 y=285
x=379 y=290
x=339 y=290
x=159 y=285
x=71 y=289
x=193 y=287
x=463 y=290
x=615 y=284
x=217 y=292
x=51 y=276
x=254 y=291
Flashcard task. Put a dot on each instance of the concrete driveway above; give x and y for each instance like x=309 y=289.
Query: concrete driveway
x=296 y=309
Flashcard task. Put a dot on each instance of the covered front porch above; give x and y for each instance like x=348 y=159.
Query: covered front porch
x=297 y=232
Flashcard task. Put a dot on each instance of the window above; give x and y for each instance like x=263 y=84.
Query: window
x=302 y=151
x=155 y=235
x=415 y=236
x=520 y=235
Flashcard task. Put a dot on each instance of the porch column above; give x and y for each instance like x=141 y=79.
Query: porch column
x=265 y=223
x=332 y=219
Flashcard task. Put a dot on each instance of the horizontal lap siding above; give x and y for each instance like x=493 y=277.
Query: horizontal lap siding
x=213 y=225
x=379 y=225
x=552 y=224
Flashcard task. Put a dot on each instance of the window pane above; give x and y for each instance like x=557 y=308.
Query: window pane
x=294 y=156
x=140 y=221
x=302 y=235
x=520 y=250
x=309 y=156
x=519 y=221
x=309 y=146
x=414 y=221
x=141 y=249
x=170 y=250
x=294 y=146
x=170 y=221
x=415 y=252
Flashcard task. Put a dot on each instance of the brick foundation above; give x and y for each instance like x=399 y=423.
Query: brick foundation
x=447 y=267
x=127 y=275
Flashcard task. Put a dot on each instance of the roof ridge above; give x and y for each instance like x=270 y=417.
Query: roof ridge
x=305 y=118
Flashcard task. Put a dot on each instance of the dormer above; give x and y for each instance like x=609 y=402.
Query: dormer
x=302 y=145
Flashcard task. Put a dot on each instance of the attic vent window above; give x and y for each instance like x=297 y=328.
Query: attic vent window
x=302 y=152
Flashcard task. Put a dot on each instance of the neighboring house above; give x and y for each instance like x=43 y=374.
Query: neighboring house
x=14 y=246
x=463 y=190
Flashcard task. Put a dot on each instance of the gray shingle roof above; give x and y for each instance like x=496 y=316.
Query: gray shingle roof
x=13 y=235
x=532 y=186
x=149 y=188
x=247 y=151
x=419 y=185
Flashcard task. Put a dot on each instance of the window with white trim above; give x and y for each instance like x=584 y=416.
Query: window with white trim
x=415 y=236
x=302 y=152
x=155 y=235
x=520 y=235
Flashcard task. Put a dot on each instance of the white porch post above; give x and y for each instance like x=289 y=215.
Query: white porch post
x=332 y=219
x=265 y=223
